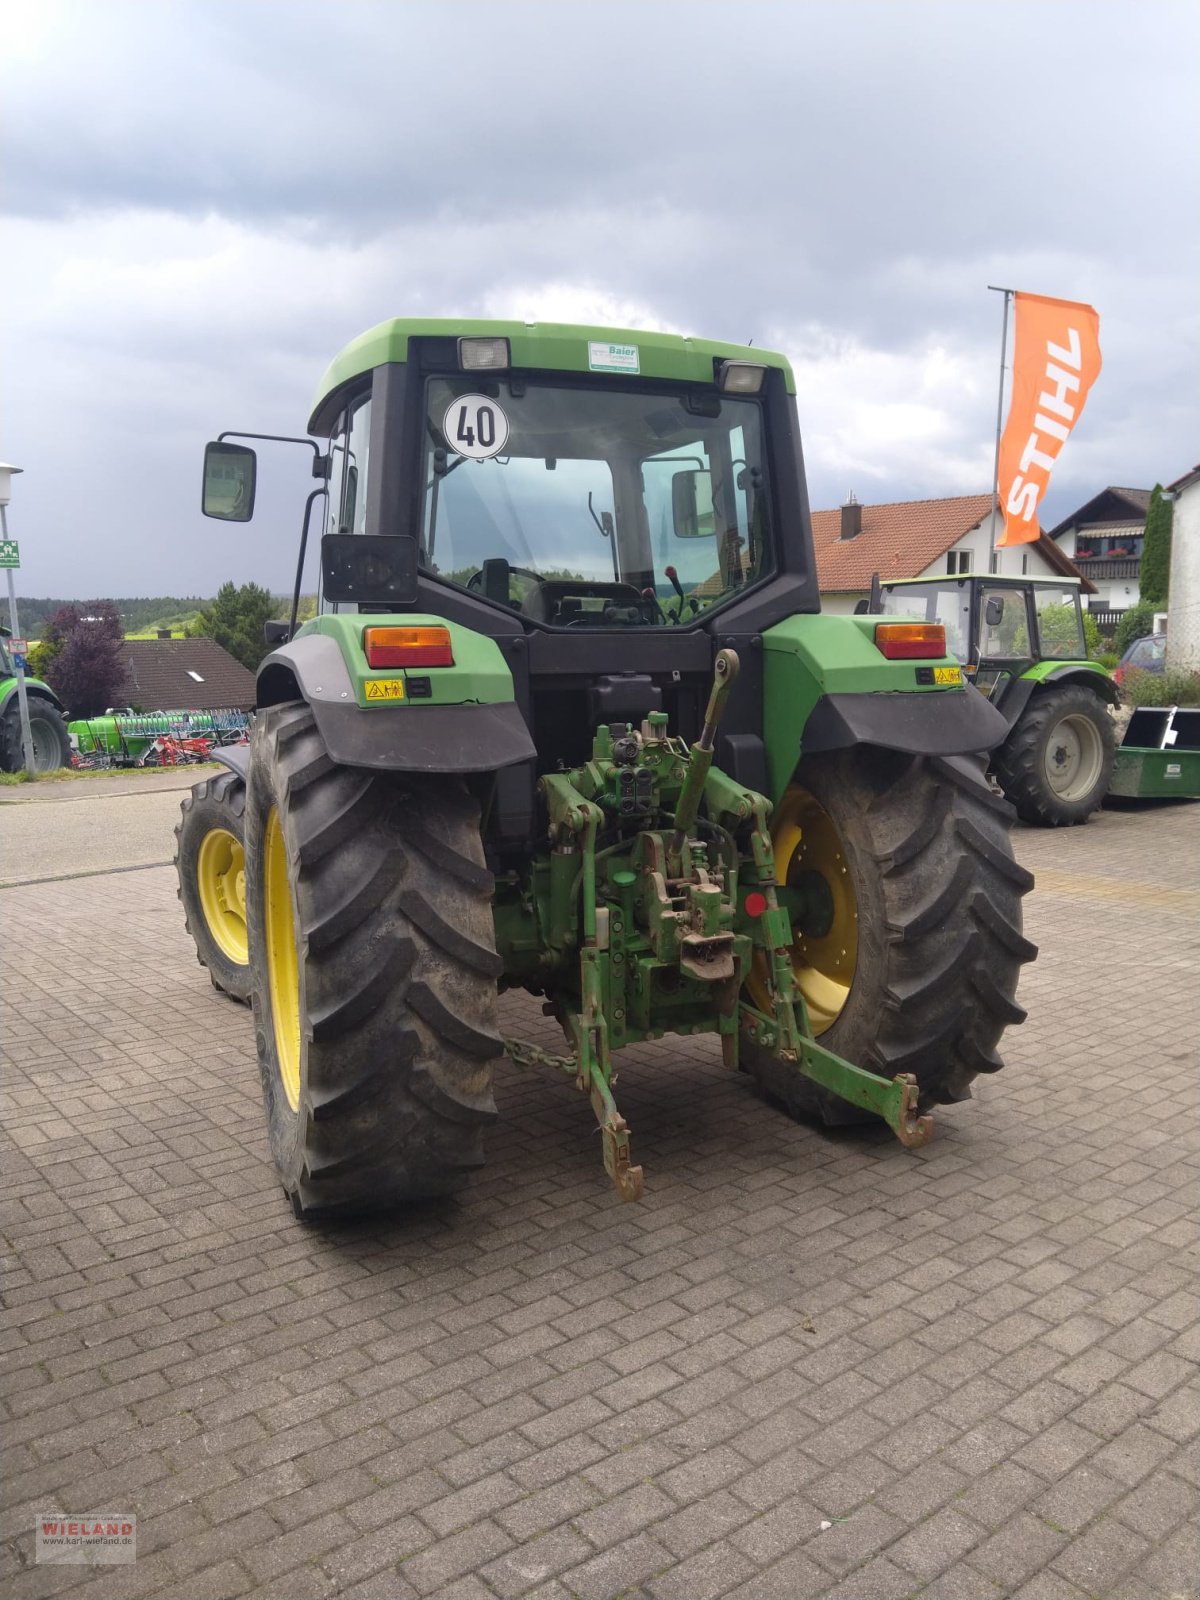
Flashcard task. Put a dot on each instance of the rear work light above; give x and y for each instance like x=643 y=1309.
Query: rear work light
x=742 y=377
x=910 y=641
x=483 y=355
x=408 y=647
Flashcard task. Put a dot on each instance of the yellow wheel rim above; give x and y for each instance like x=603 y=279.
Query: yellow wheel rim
x=814 y=877
x=221 y=880
x=283 y=965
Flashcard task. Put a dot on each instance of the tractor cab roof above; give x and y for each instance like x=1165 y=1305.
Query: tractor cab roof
x=1008 y=580
x=547 y=346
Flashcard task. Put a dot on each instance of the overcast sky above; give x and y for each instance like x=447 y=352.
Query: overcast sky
x=205 y=200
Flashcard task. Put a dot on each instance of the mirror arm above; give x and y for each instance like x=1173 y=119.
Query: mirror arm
x=308 y=505
x=322 y=465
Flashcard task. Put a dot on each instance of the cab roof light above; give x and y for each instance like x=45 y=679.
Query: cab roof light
x=408 y=647
x=911 y=641
x=742 y=377
x=483 y=355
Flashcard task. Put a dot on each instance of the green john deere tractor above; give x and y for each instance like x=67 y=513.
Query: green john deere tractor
x=47 y=725
x=1021 y=641
x=569 y=720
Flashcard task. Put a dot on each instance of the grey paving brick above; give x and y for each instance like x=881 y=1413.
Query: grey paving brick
x=1021 y=1548
x=793 y=1576
x=534 y=1561
x=714 y=1517
x=379 y=1551
x=471 y=1504
x=1133 y=1454
x=937 y=1543
x=1158 y=1505
x=462 y=1553
x=619 y=1570
x=535 y=1514
x=1073 y=1501
x=1101 y=1555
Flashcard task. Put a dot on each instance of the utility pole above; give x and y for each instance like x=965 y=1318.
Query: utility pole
x=7 y=474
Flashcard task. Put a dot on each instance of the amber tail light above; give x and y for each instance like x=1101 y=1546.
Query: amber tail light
x=408 y=647
x=910 y=641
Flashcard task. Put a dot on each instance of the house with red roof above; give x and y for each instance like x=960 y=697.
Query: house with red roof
x=919 y=539
x=1104 y=538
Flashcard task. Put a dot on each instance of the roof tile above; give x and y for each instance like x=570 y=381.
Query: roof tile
x=157 y=676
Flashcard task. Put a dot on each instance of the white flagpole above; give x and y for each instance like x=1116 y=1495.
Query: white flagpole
x=1007 y=293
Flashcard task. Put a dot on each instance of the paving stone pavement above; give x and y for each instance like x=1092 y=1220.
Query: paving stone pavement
x=806 y=1365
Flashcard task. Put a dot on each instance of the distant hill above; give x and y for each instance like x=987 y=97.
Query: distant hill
x=139 y=616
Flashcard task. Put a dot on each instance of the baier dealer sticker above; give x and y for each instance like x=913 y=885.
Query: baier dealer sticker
x=475 y=426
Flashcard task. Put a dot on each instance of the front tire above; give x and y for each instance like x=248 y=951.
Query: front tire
x=210 y=863
x=48 y=731
x=375 y=967
x=908 y=936
x=1056 y=764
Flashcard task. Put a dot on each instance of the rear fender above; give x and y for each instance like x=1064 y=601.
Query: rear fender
x=469 y=735
x=35 y=689
x=827 y=687
x=1044 y=674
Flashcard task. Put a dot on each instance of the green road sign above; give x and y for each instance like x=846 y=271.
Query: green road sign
x=10 y=555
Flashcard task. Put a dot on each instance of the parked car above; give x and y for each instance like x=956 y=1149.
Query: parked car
x=1148 y=654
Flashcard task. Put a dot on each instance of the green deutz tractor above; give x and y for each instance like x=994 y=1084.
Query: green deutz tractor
x=1022 y=644
x=47 y=724
x=569 y=720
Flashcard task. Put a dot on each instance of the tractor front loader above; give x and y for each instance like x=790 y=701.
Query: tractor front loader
x=568 y=719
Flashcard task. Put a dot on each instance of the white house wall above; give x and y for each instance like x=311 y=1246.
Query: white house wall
x=1183 y=606
x=1015 y=561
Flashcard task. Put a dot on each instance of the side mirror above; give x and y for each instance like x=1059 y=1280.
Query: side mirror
x=276 y=632
x=229 y=479
x=692 y=505
x=993 y=612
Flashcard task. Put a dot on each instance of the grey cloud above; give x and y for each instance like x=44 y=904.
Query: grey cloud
x=207 y=200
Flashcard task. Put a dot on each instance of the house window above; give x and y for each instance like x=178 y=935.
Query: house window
x=194 y=675
x=958 y=561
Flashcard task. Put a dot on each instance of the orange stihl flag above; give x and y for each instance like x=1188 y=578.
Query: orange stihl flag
x=1056 y=360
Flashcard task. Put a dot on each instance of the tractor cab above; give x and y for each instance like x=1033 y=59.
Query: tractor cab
x=998 y=627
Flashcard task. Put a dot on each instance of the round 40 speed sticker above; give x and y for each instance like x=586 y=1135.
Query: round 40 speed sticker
x=475 y=426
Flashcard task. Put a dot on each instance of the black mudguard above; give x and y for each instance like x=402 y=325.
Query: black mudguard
x=234 y=756
x=474 y=737
x=949 y=724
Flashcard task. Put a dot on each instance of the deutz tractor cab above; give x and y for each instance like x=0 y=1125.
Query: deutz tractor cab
x=1022 y=644
x=568 y=718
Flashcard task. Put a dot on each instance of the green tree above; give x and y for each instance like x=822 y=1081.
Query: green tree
x=48 y=649
x=235 y=620
x=1135 y=623
x=80 y=656
x=1154 y=576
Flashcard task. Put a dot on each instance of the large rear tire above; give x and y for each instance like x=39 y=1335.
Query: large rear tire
x=51 y=740
x=375 y=967
x=210 y=862
x=907 y=930
x=1056 y=764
